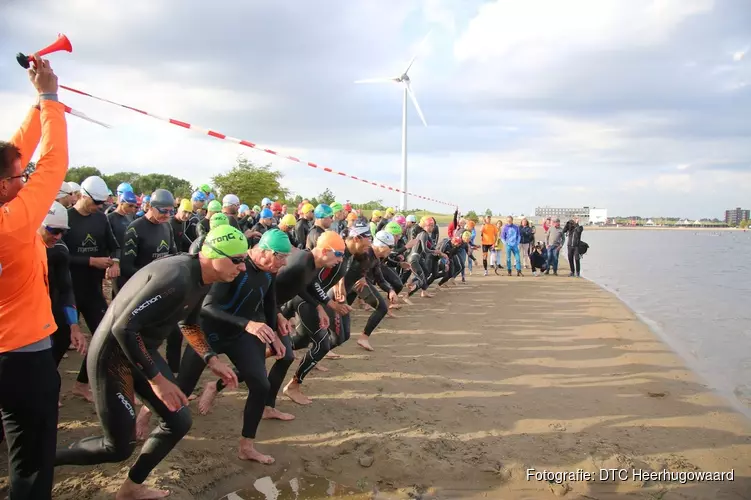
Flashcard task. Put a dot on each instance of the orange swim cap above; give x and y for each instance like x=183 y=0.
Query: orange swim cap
x=330 y=240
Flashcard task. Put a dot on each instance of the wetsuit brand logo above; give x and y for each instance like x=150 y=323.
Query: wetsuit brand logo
x=126 y=404
x=146 y=304
x=163 y=247
x=225 y=237
x=88 y=245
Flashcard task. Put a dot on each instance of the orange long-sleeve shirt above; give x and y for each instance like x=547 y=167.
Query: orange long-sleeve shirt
x=25 y=308
x=489 y=234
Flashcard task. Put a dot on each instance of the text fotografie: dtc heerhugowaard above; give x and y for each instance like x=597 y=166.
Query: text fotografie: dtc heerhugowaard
x=664 y=475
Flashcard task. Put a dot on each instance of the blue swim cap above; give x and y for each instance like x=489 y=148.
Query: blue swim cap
x=243 y=208
x=128 y=197
x=146 y=199
x=198 y=196
x=124 y=187
x=212 y=197
x=266 y=214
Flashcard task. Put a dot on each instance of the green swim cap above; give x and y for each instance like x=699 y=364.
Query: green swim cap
x=205 y=188
x=224 y=241
x=218 y=219
x=336 y=207
x=394 y=228
x=276 y=241
x=256 y=208
x=215 y=206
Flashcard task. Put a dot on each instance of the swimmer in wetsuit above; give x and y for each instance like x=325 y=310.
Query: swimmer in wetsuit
x=324 y=216
x=302 y=228
x=311 y=304
x=123 y=359
x=240 y=318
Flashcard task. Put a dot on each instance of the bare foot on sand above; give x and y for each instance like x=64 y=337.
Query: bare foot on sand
x=142 y=423
x=364 y=342
x=321 y=368
x=426 y=295
x=132 y=491
x=270 y=413
x=293 y=392
x=333 y=355
x=395 y=306
x=83 y=391
x=206 y=401
x=248 y=452
x=192 y=397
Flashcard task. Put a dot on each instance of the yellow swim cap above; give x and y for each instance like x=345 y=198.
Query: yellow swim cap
x=307 y=208
x=186 y=205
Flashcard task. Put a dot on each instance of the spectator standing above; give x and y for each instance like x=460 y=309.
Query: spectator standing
x=29 y=382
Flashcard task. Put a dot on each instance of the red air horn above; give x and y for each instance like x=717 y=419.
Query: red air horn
x=62 y=43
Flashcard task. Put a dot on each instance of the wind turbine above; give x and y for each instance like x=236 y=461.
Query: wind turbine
x=405 y=81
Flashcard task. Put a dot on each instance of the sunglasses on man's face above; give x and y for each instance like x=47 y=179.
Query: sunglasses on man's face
x=24 y=177
x=337 y=253
x=96 y=202
x=165 y=211
x=55 y=231
x=235 y=259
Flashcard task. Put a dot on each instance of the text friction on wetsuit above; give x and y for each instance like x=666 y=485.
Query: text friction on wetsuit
x=681 y=477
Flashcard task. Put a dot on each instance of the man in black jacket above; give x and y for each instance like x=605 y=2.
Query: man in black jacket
x=573 y=232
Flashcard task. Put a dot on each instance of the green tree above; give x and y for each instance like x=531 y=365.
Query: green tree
x=744 y=224
x=78 y=174
x=488 y=212
x=250 y=182
x=327 y=197
x=118 y=178
x=297 y=200
x=314 y=201
x=149 y=183
x=471 y=215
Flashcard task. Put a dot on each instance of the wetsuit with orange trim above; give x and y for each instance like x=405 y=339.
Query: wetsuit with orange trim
x=29 y=409
x=123 y=358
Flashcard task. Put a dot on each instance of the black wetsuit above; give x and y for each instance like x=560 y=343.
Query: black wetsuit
x=89 y=236
x=302 y=228
x=226 y=311
x=417 y=258
x=145 y=242
x=119 y=224
x=452 y=251
x=184 y=232
x=123 y=357
x=313 y=235
x=62 y=298
x=300 y=292
x=368 y=266
x=257 y=227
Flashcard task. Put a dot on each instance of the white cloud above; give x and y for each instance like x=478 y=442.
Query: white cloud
x=628 y=104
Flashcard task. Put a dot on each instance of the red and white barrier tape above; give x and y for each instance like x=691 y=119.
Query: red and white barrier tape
x=249 y=144
x=83 y=116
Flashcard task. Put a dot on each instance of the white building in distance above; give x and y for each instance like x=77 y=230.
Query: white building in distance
x=587 y=215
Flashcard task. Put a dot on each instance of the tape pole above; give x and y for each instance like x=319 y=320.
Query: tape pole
x=252 y=145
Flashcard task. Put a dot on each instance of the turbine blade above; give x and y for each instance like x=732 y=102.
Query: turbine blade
x=414 y=101
x=376 y=80
x=419 y=49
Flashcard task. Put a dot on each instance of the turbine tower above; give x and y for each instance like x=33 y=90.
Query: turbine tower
x=405 y=82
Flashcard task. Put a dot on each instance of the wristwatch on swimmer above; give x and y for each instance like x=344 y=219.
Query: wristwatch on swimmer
x=207 y=357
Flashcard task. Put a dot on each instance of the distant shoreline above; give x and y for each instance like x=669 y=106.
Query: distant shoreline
x=664 y=228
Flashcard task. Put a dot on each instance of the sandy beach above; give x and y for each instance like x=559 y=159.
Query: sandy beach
x=466 y=392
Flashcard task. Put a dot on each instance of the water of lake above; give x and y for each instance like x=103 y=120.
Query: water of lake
x=693 y=288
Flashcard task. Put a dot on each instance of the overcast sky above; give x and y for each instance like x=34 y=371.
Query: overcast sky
x=639 y=106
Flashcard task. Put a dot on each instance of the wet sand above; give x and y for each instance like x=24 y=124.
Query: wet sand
x=465 y=392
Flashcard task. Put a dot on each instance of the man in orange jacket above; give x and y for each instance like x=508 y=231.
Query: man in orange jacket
x=29 y=381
